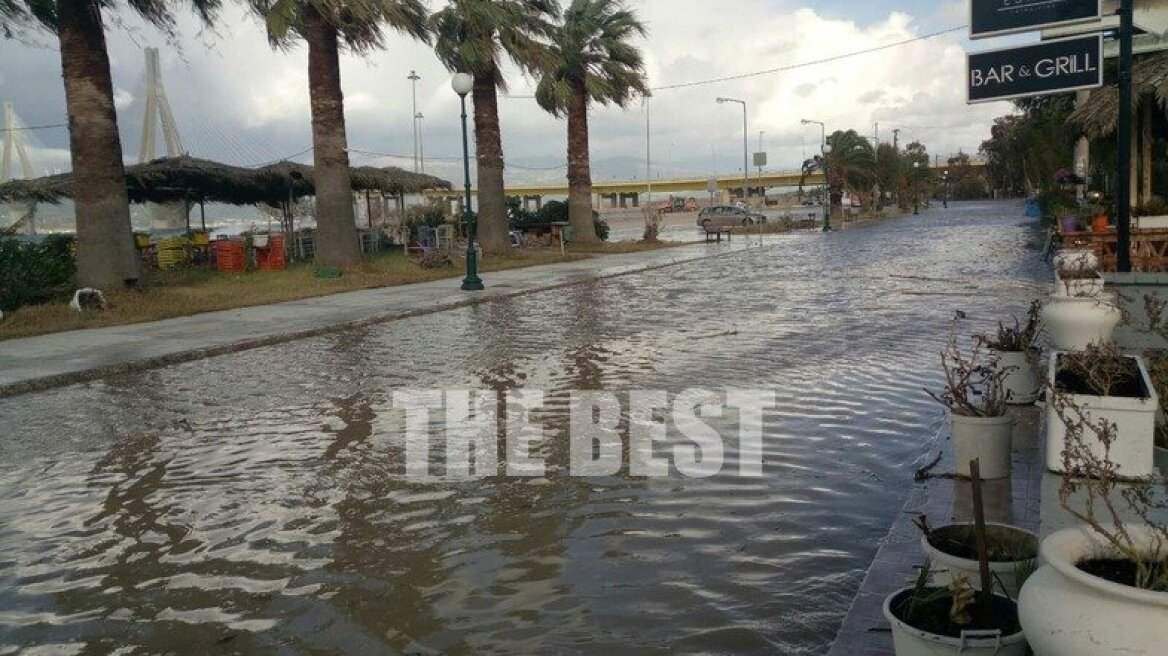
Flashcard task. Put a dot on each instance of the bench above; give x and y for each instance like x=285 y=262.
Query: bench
x=717 y=232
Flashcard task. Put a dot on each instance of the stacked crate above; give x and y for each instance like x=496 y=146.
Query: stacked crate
x=172 y=252
x=230 y=255
x=271 y=257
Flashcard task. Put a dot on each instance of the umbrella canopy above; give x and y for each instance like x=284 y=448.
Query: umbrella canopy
x=188 y=178
x=1099 y=115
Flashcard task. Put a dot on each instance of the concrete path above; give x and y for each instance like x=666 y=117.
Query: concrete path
x=37 y=363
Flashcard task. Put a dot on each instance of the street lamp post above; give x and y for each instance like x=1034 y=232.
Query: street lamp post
x=745 y=149
x=916 y=188
x=421 y=142
x=825 y=148
x=413 y=78
x=945 y=189
x=827 y=186
x=462 y=84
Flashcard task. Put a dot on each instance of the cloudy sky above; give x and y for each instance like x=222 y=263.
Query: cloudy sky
x=238 y=101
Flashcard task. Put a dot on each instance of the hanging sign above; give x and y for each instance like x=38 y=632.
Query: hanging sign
x=1043 y=68
x=996 y=17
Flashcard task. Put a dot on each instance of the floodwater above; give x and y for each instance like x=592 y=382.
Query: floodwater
x=257 y=503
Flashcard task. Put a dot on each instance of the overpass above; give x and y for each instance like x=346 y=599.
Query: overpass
x=625 y=190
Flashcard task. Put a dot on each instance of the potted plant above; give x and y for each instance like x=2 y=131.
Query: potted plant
x=1075 y=257
x=1103 y=588
x=928 y=620
x=1101 y=384
x=978 y=411
x=1013 y=356
x=1074 y=322
x=1078 y=278
x=1012 y=553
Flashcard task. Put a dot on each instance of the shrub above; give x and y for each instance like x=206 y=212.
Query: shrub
x=35 y=272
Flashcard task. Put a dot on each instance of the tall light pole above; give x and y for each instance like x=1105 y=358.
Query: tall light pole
x=745 y=149
x=826 y=150
x=421 y=142
x=413 y=78
x=462 y=84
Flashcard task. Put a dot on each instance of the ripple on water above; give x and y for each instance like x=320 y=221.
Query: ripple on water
x=256 y=501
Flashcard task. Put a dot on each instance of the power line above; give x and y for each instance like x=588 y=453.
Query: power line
x=790 y=67
x=816 y=62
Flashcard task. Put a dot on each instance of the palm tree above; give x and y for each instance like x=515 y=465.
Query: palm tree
x=851 y=166
x=594 y=63
x=325 y=25
x=471 y=36
x=105 y=243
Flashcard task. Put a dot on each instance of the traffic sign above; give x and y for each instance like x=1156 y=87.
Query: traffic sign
x=1033 y=70
x=997 y=17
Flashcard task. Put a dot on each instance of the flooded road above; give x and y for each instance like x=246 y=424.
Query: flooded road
x=256 y=502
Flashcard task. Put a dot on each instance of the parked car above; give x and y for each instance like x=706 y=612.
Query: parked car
x=727 y=216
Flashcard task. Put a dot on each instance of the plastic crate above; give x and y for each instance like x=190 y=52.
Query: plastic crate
x=230 y=255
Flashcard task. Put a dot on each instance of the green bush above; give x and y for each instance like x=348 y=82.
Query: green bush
x=35 y=272
x=555 y=211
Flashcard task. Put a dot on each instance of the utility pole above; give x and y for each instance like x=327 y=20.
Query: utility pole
x=876 y=134
x=896 y=139
x=1124 y=134
x=413 y=78
x=760 y=133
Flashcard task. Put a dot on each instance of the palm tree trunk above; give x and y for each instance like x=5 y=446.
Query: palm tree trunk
x=105 y=243
x=336 y=227
x=579 y=168
x=492 y=217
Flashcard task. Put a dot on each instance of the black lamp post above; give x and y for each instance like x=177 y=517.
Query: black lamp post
x=945 y=189
x=827 y=185
x=463 y=83
x=916 y=184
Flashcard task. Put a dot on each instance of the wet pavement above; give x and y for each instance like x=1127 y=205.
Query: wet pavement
x=256 y=502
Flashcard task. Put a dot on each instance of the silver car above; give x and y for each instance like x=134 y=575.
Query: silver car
x=727 y=216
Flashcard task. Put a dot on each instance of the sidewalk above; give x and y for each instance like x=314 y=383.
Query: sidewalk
x=36 y=363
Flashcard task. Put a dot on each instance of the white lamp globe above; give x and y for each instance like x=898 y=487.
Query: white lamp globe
x=462 y=83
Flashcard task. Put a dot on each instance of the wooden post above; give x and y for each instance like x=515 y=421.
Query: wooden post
x=985 y=597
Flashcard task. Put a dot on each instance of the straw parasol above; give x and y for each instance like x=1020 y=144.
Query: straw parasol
x=186 y=178
x=1099 y=115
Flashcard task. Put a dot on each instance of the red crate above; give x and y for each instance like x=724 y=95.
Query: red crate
x=271 y=257
x=230 y=255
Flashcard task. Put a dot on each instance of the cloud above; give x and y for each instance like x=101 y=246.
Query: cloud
x=237 y=100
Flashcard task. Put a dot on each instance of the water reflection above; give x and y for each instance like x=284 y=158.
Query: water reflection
x=257 y=502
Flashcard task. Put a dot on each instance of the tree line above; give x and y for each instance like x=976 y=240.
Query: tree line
x=581 y=55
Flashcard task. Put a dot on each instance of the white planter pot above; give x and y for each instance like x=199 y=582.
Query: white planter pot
x=259 y=241
x=1134 y=420
x=1076 y=258
x=947 y=566
x=984 y=438
x=1020 y=380
x=1079 y=287
x=1075 y=323
x=1067 y=612
x=915 y=642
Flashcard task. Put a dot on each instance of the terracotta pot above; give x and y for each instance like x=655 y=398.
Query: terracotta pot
x=1099 y=223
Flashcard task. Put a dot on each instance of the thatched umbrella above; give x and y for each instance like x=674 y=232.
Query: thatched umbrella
x=1099 y=115
x=190 y=179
